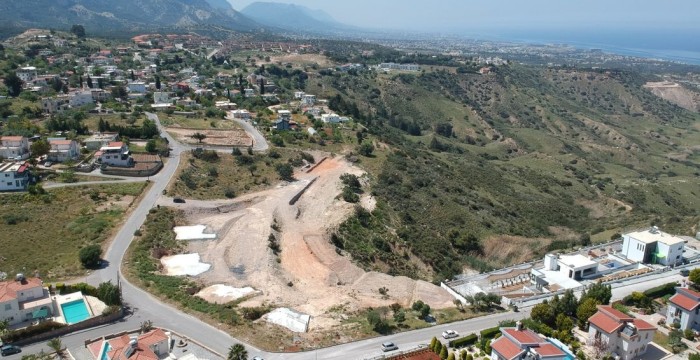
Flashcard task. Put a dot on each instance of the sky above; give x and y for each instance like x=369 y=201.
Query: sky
x=472 y=15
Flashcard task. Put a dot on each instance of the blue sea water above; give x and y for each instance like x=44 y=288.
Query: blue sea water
x=680 y=45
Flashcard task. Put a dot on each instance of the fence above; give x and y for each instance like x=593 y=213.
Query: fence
x=96 y=321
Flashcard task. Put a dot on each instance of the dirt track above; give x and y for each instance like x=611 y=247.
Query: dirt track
x=320 y=277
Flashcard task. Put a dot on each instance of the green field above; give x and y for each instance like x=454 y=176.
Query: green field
x=44 y=233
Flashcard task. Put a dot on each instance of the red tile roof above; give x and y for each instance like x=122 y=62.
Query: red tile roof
x=115 y=144
x=9 y=289
x=61 y=142
x=142 y=351
x=506 y=348
x=684 y=302
x=11 y=138
x=613 y=313
x=152 y=337
x=525 y=336
x=643 y=325
x=605 y=322
x=689 y=292
x=548 y=349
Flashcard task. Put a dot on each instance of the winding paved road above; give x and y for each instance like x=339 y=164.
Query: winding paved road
x=146 y=307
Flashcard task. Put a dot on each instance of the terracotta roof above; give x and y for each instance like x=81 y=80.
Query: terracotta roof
x=546 y=350
x=11 y=138
x=643 y=325
x=152 y=337
x=605 y=322
x=684 y=302
x=613 y=313
x=142 y=351
x=689 y=292
x=61 y=142
x=506 y=348
x=115 y=144
x=525 y=336
x=9 y=289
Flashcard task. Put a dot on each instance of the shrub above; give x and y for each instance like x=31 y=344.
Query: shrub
x=470 y=339
x=490 y=333
x=688 y=334
x=661 y=291
x=90 y=256
x=30 y=331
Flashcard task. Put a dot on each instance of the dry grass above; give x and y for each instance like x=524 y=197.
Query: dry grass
x=506 y=249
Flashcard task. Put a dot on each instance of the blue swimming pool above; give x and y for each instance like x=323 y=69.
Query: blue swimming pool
x=75 y=311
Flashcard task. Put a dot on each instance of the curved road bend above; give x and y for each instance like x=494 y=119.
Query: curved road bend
x=147 y=307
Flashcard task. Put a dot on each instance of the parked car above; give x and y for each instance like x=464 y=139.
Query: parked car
x=179 y=200
x=258 y=358
x=389 y=346
x=449 y=334
x=9 y=350
x=685 y=272
x=48 y=164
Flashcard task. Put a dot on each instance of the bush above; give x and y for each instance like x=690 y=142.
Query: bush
x=30 y=331
x=688 y=334
x=661 y=291
x=470 y=339
x=490 y=333
x=90 y=256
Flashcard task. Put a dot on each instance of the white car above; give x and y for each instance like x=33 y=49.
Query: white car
x=449 y=334
x=389 y=346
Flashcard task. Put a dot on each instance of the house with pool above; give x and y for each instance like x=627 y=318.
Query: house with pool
x=153 y=345
x=24 y=301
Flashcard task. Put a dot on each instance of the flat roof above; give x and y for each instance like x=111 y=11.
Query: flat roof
x=558 y=278
x=576 y=261
x=647 y=236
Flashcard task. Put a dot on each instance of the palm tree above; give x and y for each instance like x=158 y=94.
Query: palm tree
x=56 y=345
x=237 y=352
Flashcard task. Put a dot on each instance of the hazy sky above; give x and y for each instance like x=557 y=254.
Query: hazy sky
x=514 y=14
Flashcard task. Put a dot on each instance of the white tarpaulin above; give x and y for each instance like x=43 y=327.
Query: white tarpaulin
x=184 y=264
x=195 y=232
x=290 y=319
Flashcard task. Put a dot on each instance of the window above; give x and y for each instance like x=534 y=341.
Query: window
x=8 y=307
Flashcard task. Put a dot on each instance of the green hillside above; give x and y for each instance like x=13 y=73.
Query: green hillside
x=485 y=170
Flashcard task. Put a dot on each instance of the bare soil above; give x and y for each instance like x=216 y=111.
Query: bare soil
x=233 y=137
x=309 y=275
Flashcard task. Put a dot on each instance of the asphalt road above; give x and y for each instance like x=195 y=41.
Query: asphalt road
x=146 y=307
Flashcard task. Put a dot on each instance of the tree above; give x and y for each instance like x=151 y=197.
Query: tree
x=146 y=326
x=543 y=313
x=262 y=86
x=100 y=83
x=598 y=291
x=13 y=84
x=438 y=348
x=424 y=311
x=56 y=345
x=568 y=303
x=78 y=30
x=40 y=147
x=237 y=352
x=109 y=293
x=133 y=77
x=433 y=342
x=694 y=276
x=585 y=310
x=89 y=82
x=57 y=84
x=198 y=136
x=285 y=171
x=151 y=146
x=451 y=356
x=600 y=347
x=90 y=256
x=443 y=353
x=366 y=148
x=157 y=82
x=400 y=316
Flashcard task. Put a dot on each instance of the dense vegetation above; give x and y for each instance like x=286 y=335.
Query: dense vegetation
x=533 y=153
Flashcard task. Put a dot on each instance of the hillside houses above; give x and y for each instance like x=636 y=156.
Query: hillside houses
x=14 y=176
x=14 y=147
x=63 y=150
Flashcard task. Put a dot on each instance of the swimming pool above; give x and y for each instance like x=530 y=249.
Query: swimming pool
x=75 y=311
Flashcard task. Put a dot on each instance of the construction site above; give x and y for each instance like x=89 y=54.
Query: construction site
x=307 y=279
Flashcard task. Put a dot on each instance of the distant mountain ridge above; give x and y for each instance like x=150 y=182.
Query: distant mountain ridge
x=293 y=17
x=122 y=15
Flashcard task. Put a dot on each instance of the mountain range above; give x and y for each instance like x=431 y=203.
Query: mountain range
x=294 y=18
x=101 y=16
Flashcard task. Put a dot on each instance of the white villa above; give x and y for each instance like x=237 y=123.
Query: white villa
x=63 y=150
x=684 y=308
x=115 y=154
x=14 y=176
x=24 y=299
x=520 y=343
x=621 y=335
x=14 y=147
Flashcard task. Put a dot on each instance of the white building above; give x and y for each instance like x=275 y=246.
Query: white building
x=330 y=118
x=619 y=334
x=284 y=114
x=395 y=66
x=14 y=147
x=137 y=87
x=653 y=246
x=241 y=114
x=308 y=100
x=153 y=345
x=225 y=105
x=81 y=98
x=14 y=176
x=27 y=73
x=248 y=92
x=161 y=97
x=684 y=309
x=63 y=150
x=520 y=343
x=116 y=154
x=95 y=142
x=24 y=300
x=299 y=94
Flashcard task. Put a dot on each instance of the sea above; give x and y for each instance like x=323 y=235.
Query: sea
x=672 y=45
